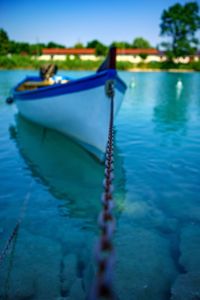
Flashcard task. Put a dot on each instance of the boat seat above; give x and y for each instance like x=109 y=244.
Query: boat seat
x=31 y=85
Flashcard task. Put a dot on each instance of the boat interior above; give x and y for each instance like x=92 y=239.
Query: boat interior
x=48 y=77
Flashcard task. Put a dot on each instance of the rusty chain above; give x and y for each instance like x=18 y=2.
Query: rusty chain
x=102 y=288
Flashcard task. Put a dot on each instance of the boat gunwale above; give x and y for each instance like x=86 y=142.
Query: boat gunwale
x=72 y=86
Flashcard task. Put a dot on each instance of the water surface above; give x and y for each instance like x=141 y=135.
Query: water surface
x=157 y=187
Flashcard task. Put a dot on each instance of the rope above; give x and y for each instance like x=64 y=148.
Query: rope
x=14 y=233
x=102 y=287
x=7 y=285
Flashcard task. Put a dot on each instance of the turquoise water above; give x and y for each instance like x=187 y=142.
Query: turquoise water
x=157 y=188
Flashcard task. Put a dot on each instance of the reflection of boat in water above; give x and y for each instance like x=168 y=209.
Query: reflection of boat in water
x=67 y=170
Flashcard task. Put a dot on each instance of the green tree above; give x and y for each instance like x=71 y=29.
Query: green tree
x=141 y=43
x=79 y=45
x=19 y=47
x=36 y=49
x=121 y=45
x=54 y=45
x=12 y=47
x=4 y=42
x=98 y=46
x=180 y=23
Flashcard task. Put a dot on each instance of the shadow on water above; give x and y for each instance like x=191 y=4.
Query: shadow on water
x=68 y=171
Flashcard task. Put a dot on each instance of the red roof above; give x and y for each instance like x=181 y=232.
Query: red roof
x=74 y=51
x=138 y=51
x=53 y=51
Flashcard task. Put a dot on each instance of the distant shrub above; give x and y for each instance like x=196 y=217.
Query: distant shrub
x=78 y=64
x=142 y=65
x=168 y=65
x=7 y=63
x=124 y=65
x=185 y=66
x=154 y=65
x=196 y=65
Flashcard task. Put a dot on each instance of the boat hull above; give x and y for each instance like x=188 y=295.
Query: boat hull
x=84 y=115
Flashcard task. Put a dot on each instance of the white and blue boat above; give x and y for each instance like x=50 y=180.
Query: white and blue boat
x=79 y=108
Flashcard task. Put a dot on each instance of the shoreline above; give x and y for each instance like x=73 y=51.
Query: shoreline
x=162 y=70
x=132 y=70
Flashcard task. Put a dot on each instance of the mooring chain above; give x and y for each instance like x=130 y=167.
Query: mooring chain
x=14 y=233
x=102 y=288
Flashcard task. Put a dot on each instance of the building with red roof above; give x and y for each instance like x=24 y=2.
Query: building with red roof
x=126 y=55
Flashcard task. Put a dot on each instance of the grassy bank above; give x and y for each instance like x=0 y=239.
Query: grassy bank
x=26 y=62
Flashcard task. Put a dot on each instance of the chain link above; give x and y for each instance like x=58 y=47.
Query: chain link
x=102 y=288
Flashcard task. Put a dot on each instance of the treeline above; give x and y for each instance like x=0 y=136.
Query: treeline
x=101 y=49
x=8 y=46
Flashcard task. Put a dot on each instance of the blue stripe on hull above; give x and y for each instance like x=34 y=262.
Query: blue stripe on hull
x=72 y=86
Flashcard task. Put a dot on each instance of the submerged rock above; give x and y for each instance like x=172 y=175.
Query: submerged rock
x=187 y=287
x=77 y=291
x=69 y=273
x=72 y=286
x=182 y=206
x=141 y=213
x=190 y=244
x=144 y=268
x=88 y=278
x=35 y=269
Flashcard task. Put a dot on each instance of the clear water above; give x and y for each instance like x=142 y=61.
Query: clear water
x=157 y=188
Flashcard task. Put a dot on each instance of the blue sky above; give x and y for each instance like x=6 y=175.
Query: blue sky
x=68 y=22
